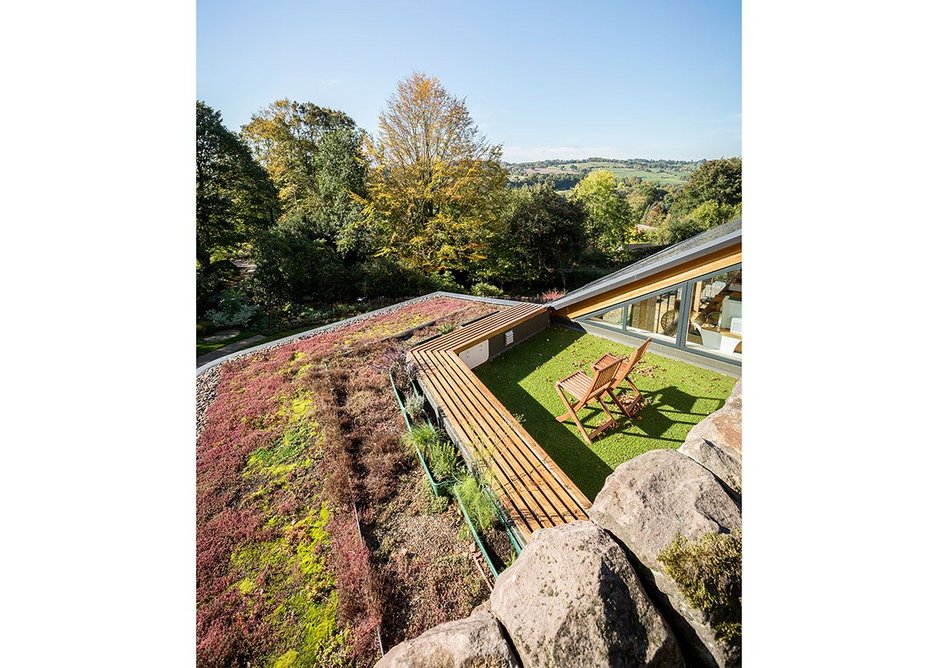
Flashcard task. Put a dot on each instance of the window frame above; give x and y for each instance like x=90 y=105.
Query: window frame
x=684 y=290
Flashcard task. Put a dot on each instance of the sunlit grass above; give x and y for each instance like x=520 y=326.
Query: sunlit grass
x=678 y=395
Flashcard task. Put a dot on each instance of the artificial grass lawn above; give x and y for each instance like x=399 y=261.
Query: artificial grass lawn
x=677 y=395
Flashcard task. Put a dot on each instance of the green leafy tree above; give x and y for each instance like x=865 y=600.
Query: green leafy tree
x=610 y=225
x=436 y=185
x=712 y=196
x=314 y=157
x=543 y=236
x=234 y=199
x=718 y=181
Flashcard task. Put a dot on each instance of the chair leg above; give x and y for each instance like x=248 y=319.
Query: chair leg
x=569 y=409
x=637 y=392
x=605 y=408
x=617 y=402
x=582 y=430
x=571 y=412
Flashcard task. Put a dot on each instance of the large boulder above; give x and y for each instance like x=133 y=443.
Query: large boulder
x=716 y=442
x=573 y=599
x=724 y=463
x=475 y=642
x=724 y=427
x=646 y=503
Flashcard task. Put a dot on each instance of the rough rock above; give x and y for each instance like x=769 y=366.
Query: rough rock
x=573 y=599
x=724 y=427
x=646 y=503
x=475 y=642
x=724 y=463
x=735 y=397
x=716 y=442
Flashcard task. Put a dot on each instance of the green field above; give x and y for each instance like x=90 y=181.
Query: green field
x=674 y=174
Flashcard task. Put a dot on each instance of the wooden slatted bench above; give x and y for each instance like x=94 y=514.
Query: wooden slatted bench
x=534 y=492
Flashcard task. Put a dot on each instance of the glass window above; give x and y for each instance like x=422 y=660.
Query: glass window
x=611 y=318
x=716 y=314
x=658 y=315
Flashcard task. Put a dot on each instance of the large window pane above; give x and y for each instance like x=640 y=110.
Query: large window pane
x=716 y=314
x=612 y=318
x=658 y=315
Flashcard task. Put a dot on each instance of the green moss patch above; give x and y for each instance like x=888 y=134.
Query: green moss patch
x=708 y=572
x=288 y=577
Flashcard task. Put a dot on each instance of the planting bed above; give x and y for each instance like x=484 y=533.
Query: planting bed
x=293 y=441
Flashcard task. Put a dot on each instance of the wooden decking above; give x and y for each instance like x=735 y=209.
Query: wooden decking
x=533 y=490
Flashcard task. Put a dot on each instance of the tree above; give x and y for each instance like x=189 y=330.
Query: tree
x=610 y=225
x=437 y=184
x=712 y=196
x=542 y=238
x=313 y=155
x=718 y=181
x=234 y=199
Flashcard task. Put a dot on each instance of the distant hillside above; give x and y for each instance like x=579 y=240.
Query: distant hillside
x=566 y=173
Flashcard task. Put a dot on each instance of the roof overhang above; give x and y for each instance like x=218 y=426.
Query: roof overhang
x=725 y=241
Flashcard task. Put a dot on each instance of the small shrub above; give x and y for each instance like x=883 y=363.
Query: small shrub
x=709 y=573
x=482 y=289
x=422 y=435
x=234 y=310
x=445 y=329
x=438 y=451
x=414 y=405
x=394 y=360
x=443 y=460
x=476 y=502
x=551 y=295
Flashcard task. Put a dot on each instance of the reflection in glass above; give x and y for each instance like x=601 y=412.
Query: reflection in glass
x=655 y=315
x=612 y=318
x=716 y=314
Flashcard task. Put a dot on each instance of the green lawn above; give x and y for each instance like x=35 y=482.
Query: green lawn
x=661 y=176
x=678 y=396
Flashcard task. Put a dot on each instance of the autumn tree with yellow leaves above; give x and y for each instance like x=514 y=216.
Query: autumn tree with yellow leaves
x=436 y=185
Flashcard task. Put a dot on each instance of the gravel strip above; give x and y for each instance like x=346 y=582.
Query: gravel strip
x=205 y=386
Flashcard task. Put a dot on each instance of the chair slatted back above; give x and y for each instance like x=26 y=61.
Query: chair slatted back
x=604 y=375
x=628 y=367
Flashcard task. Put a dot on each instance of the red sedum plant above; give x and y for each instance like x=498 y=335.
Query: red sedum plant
x=296 y=439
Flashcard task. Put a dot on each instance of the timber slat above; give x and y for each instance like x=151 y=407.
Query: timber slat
x=469 y=335
x=534 y=466
x=533 y=490
x=497 y=432
x=522 y=518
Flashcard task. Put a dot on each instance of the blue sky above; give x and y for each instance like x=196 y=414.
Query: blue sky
x=544 y=79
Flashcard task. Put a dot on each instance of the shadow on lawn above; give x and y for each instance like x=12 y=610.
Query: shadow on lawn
x=569 y=451
x=665 y=408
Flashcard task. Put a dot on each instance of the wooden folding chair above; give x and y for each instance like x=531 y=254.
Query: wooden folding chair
x=584 y=390
x=628 y=405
